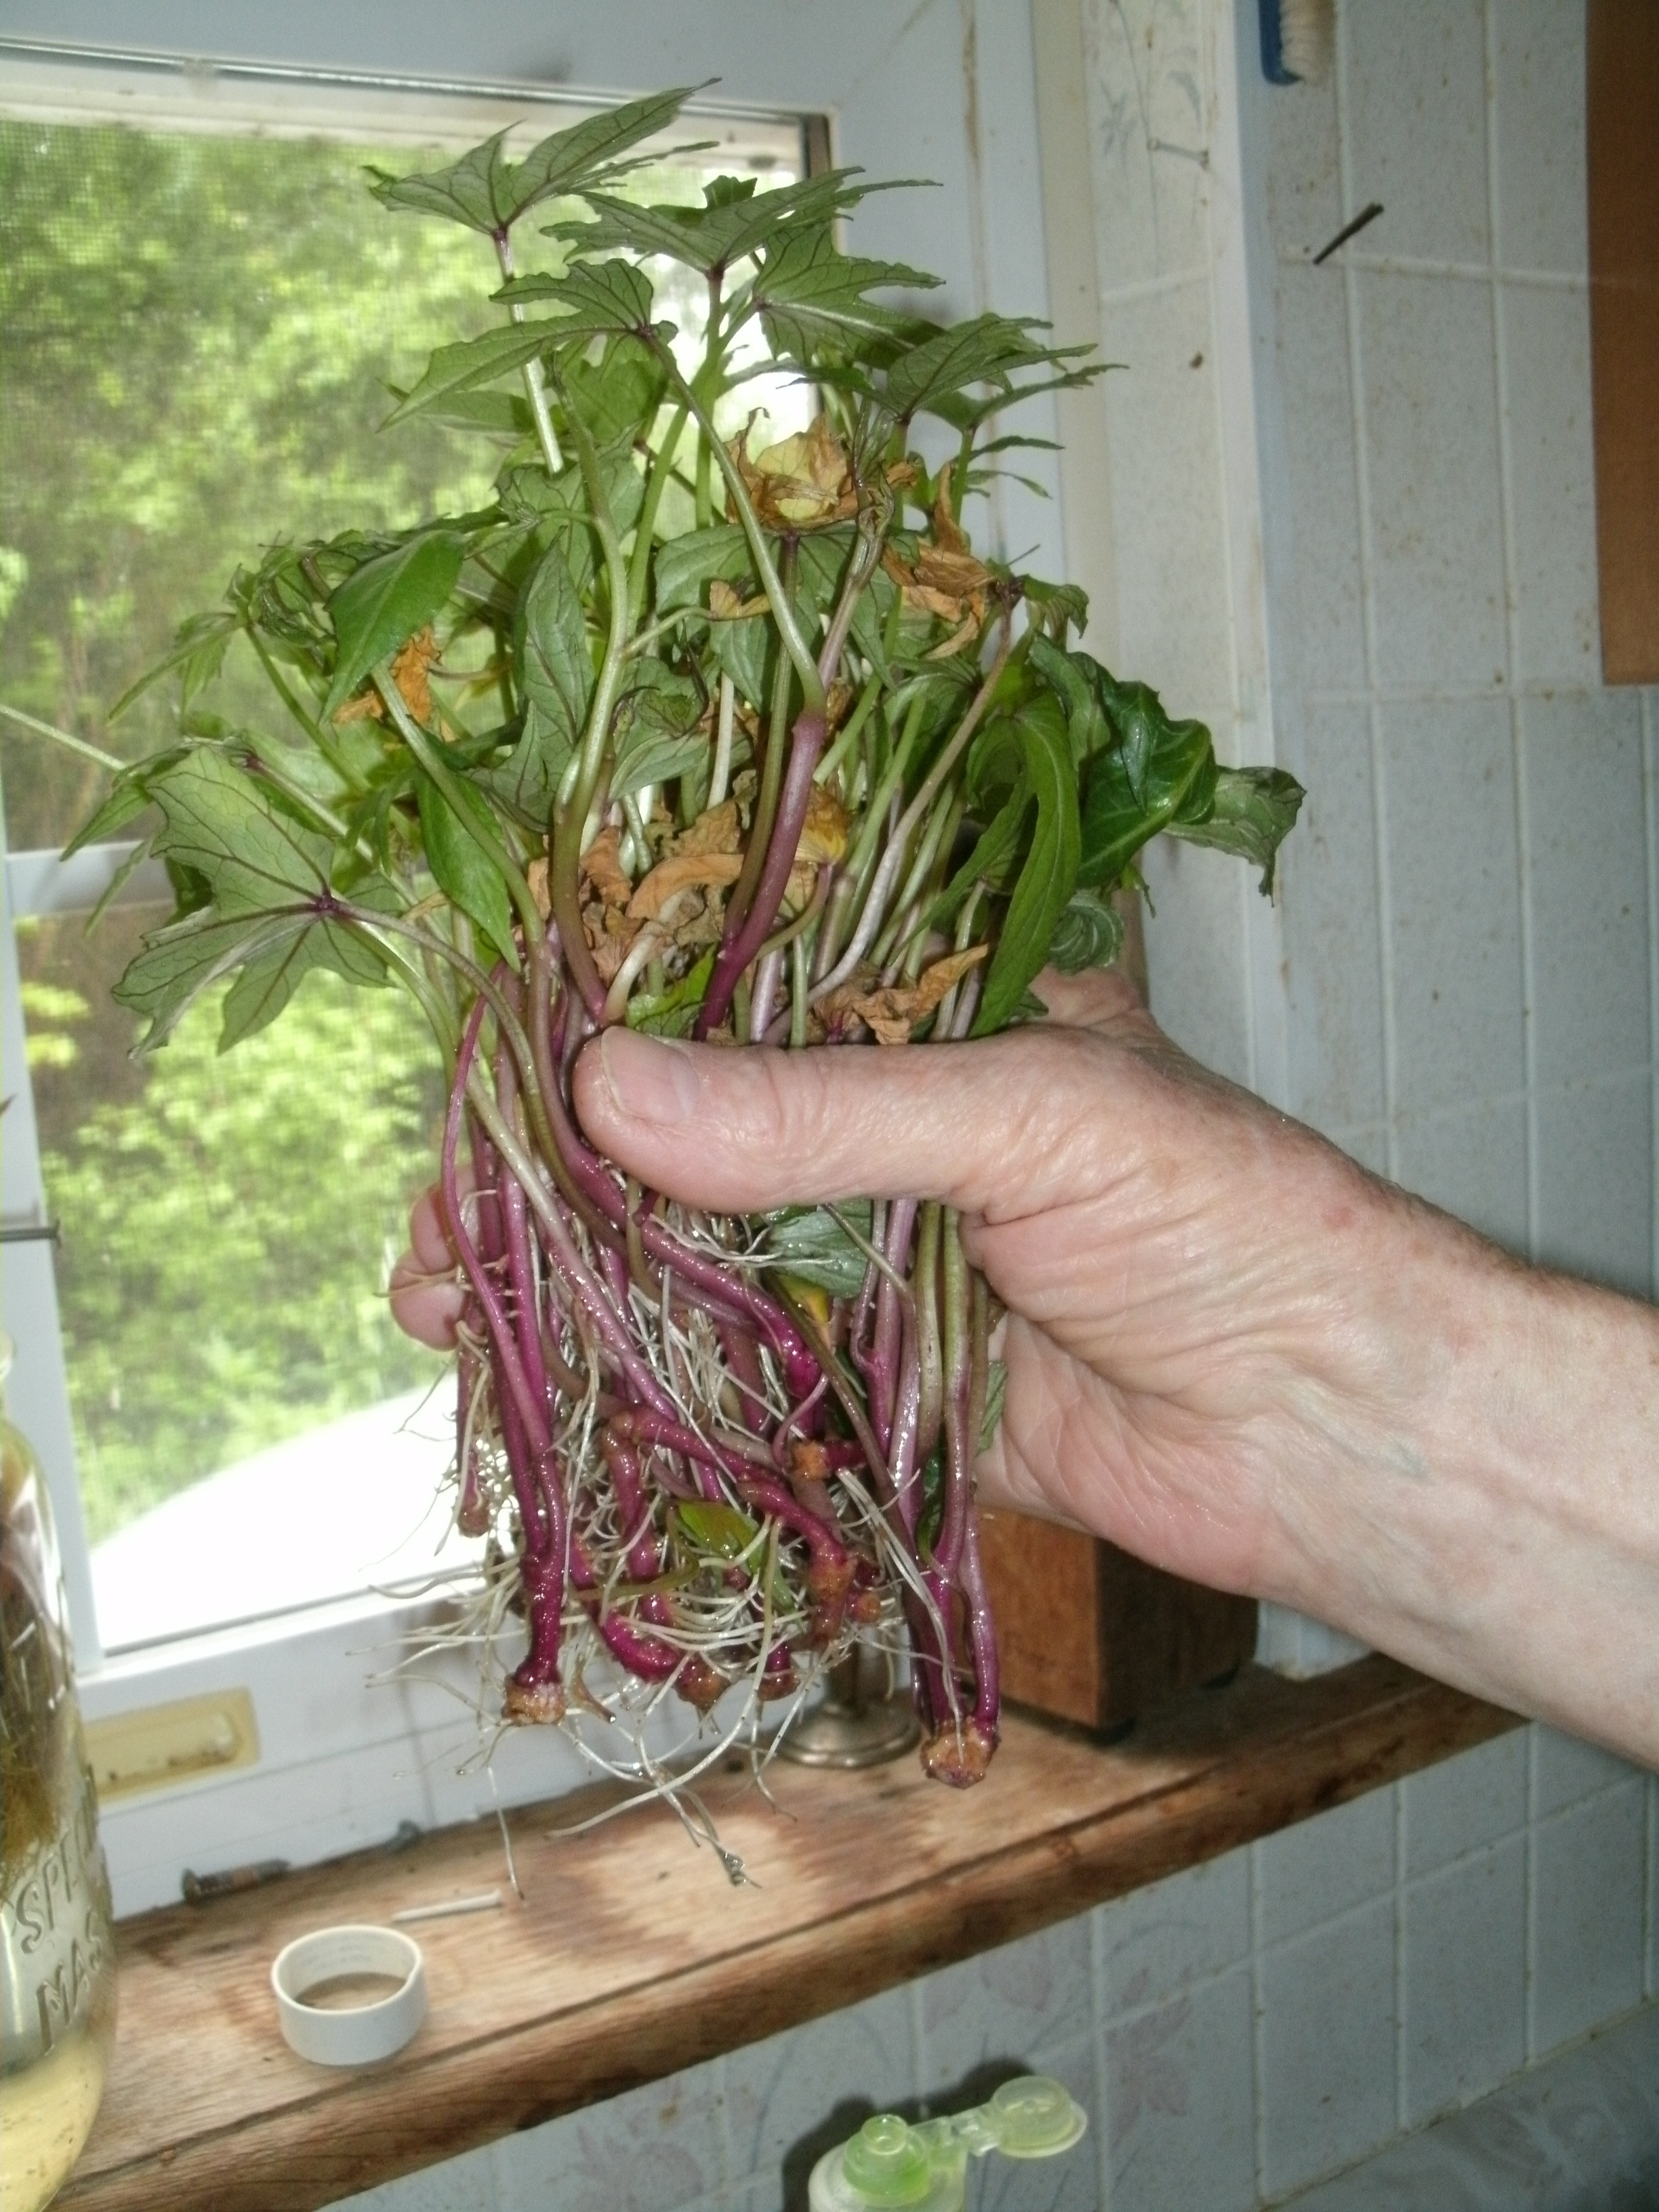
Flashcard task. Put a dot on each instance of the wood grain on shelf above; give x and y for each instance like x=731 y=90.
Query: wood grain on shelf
x=630 y=1956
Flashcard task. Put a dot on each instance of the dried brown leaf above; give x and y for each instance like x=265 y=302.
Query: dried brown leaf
x=409 y=667
x=959 y=575
x=714 y=830
x=824 y=832
x=602 y=871
x=409 y=672
x=959 y=638
x=802 y=483
x=892 y=1012
x=684 y=871
x=725 y=605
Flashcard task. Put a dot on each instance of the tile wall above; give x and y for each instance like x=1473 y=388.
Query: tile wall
x=1469 y=920
x=1385 y=579
x=1234 y=2033
x=1467 y=933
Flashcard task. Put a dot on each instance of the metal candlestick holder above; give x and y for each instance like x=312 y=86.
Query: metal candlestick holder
x=861 y=1720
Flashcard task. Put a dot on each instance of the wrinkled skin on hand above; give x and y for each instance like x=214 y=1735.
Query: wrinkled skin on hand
x=1149 y=1228
x=1229 y=1349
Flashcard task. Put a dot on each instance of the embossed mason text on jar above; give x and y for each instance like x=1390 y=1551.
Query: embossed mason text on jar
x=57 y=1952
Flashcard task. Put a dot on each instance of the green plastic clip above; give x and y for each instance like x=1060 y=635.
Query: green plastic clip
x=890 y=2164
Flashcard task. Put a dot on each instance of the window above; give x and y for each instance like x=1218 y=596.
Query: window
x=244 y=1451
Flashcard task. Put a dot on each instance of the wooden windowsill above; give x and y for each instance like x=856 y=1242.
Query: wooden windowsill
x=630 y=1957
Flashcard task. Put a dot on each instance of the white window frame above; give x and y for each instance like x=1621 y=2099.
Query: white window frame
x=946 y=91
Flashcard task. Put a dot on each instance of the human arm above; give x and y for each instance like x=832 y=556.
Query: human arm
x=1229 y=1349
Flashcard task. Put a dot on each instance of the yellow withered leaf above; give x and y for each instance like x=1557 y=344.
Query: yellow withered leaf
x=409 y=671
x=714 y=830
x=601 y=870
x=725 y=605
x=823 y=833
x=802 y=483
x=892 y=1012
x=682 y=871
x=959 y=575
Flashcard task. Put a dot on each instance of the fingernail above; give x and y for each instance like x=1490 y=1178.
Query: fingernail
x=651 y=1078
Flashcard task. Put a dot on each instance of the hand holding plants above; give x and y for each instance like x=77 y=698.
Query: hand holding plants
x=1229 y=1349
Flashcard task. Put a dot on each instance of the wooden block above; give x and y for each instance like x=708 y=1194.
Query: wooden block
x=1090 y=1634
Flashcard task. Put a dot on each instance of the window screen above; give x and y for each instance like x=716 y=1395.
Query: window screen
x=199 y=333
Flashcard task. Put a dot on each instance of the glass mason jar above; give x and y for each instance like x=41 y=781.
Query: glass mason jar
x=57 y=1953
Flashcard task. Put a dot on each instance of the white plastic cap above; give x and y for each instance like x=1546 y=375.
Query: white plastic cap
x=356 y=2035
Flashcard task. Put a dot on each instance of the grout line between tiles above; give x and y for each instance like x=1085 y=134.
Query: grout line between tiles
x=1399 y=1959
x=1271 y=1083
x=1650 y=1917
x=1465 y=272
x=722 y=2098
x=1506 y=524
x=1258 y=2021
x=1153 y=288
x=1368 y=603
x=1466 y=1109
x=1528 y=2042
x=1128 y=2014
x=1487 y=1848
x=1103 y=2073
x=1456 y=695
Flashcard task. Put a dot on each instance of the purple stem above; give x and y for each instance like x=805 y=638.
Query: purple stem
x=778 y=1675
x=957 y=1516
x=767 y=976
x=982 y=1632
x=959 y=1439
x=543 y=1584
x=806 y=744
x=927 y=1687
x=718 y=1289
x=645 y=1554
x=644 y=1655
x=896 y=1359
x=586 y=1289
x=798 y=1418
x=743 y=1359
x=548 y=1037
x=520 y=1265
x=768 y=1495
x=613 y=1272
x=644 y=1425
x=906 y=1420
x=509 y=1369
x=471 y=1514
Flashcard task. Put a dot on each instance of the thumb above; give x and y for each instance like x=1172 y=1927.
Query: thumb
x=975 y=1125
